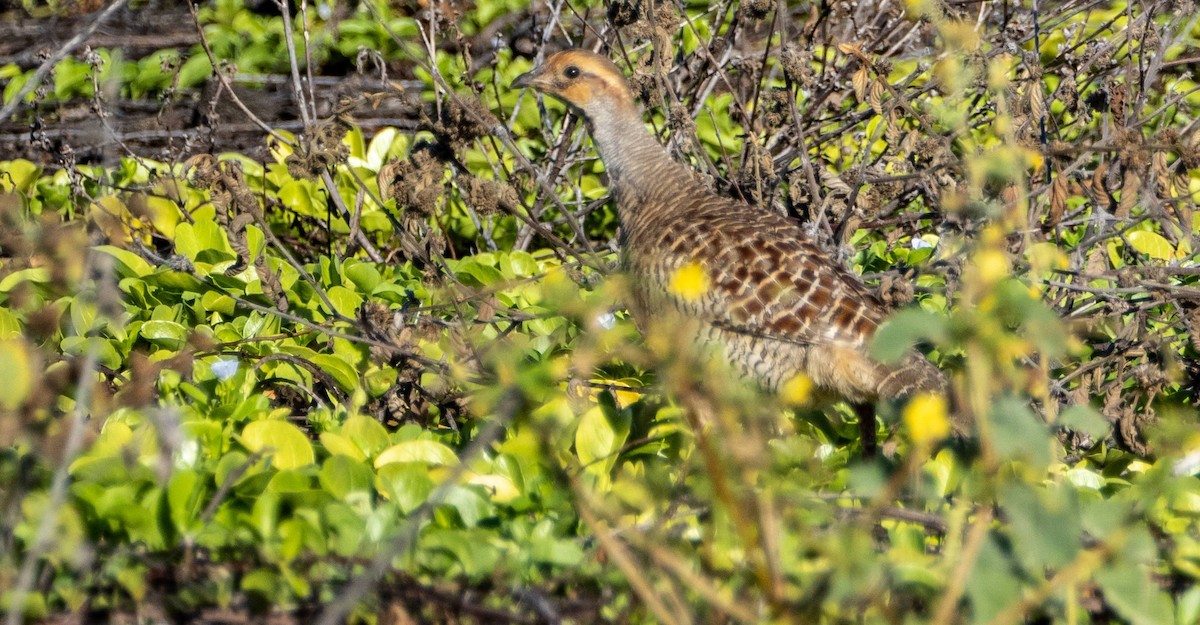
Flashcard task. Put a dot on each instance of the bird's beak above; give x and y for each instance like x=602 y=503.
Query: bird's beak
x=529 y=79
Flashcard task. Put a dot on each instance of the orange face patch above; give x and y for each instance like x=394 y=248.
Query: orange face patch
x=578 y=93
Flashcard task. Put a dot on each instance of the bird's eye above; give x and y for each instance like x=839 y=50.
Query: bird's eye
x=571 y=72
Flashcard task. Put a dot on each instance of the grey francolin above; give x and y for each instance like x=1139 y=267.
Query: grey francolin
x=775 y=303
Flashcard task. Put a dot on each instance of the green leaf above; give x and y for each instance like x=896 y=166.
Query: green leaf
x=354 y=140
x=263 y=585
x=376 y=380
x=10 y=324
x=690 y=40
x=468 y=505
x=177 y=281
x=186 y=242
x=255 y=240
x=1102 y=517
x=195 y=71
x=895 y=339
x=83 y=317
x=1151 y=244
x=128 y=263
x=341 y=445
x=342 y=475
x=407 y=485
x=168 y=334
x=381 y=144
x=1084 y=478
x=1133 y=595
x=345 y=301
x=429 y=452
x=866 y=479
x=364 y=275
x=132 y=580
x=347 y=531
x=523 y=264
x=480 y=274
x=185 y=500
x=40 y=275
x=367 y=433
x=565 y=553
x=1046 y=530
x=230 y=464
x=345 y=375
x=254 y=325
x=302 y=197
x=213 y=301
x=601 y=434
x=471 y=552
x=1018 y=434
x=202 y=240
x=1085 y=420
x=288 y=447
x=993 y=584
x=1188 y=607
x=35 y=607
x=289 y=481
x=103 y=348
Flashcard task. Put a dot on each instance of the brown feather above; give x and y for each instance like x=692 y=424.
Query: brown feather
x=777 y=304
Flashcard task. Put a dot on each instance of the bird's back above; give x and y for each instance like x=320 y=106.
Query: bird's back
x=774 y=300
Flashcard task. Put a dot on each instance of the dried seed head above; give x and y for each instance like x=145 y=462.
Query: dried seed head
x=415 y=184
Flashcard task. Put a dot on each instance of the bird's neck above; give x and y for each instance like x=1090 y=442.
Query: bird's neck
x=638 y=165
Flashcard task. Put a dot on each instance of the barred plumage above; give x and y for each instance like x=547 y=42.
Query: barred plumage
x=776 y=304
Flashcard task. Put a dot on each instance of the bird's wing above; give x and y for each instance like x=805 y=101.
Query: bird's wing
x=765 y=277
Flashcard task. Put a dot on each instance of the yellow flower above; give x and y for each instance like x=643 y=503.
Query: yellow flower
x=797 y=390
x=690 y=282
x=927 y=418
x=991 y=265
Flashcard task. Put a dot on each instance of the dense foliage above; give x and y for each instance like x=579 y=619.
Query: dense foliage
x=386 y=375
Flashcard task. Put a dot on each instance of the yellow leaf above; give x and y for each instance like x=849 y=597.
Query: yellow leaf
x=16 y=368
x=428 y=452
x=336 y=444
x=19 y=175
x=690 y=282
x=927 y=418
x=624 y=398
x=500 y=487
x=164 y=215
x=113 y=218
x=286 y=445
x=1046 y=256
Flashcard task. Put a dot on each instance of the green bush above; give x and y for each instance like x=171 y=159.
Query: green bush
x=389 y=374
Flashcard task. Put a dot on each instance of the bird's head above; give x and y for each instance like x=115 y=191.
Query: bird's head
x=587 y=82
